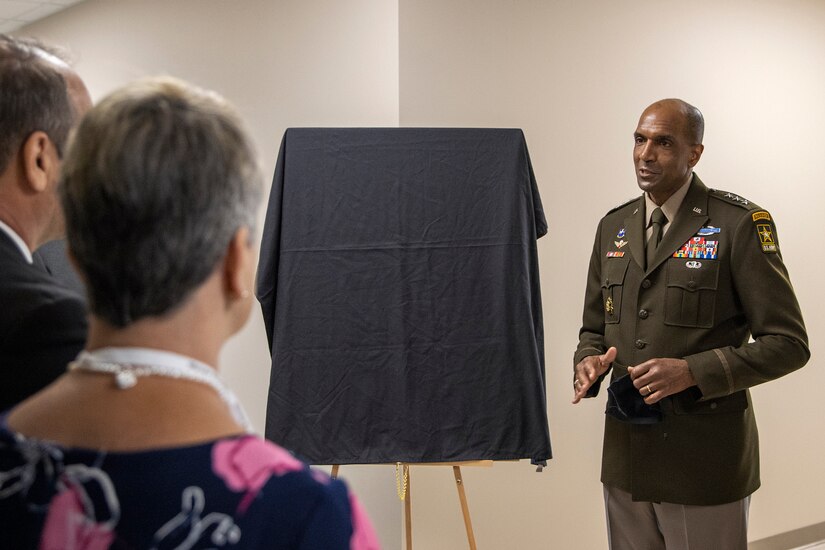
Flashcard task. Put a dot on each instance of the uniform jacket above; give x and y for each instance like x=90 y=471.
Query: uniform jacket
x=717 y=280
x=42 y=326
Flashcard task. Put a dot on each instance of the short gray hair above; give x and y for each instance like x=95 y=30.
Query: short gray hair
x=157 y=180
x=33 y=96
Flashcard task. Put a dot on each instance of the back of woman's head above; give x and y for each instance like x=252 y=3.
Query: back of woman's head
x=157 y=180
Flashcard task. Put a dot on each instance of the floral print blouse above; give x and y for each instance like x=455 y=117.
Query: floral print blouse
x=234 y=493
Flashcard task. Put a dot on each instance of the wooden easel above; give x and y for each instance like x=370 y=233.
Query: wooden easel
x=462 y=496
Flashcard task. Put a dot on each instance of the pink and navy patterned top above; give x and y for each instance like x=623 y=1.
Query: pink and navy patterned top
x=233 y=493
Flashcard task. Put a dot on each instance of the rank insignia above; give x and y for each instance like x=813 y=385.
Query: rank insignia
x=608 y=306
x=698 y=248
x=709 y=230
x=615 y=254
x=620 y=234
x=620 y=244
x=736 y=198
x=761 y=215
x=765 y=233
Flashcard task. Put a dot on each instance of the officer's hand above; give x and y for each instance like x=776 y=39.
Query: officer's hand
x=589 y=370
x=657 y=378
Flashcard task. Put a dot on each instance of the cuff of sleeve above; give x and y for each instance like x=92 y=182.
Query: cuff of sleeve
x=712 y=373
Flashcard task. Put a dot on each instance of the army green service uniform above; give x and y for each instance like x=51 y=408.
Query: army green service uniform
x=717 y=280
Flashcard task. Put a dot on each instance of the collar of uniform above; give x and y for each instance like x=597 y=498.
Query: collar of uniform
x=670 y=206
x=18 y=241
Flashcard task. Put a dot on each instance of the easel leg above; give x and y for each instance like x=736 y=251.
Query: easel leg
x=465 y=510
x=408 y=509
x=334 y=474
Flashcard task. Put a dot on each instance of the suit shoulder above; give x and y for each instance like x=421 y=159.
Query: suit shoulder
x=622 y=205
x=30 y=295
x=734 y=199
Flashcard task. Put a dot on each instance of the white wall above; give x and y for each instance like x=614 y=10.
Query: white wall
x=575 y=75
x=285 y=63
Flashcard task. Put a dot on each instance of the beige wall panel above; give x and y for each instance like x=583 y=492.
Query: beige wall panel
x=575 y=75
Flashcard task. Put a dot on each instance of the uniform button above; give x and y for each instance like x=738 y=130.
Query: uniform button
x=640 y=344
x=646 y=283
x=643 y=313
x=713 y=405
x=691 y=284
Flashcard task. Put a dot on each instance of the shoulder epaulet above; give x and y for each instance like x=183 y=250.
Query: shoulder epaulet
x=625 y=203
x=733 y=198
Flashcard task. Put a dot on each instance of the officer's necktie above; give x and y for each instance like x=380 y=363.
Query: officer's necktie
x=657 y=220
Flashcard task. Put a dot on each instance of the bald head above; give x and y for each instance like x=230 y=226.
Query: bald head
x=693 y=123
x=667 y=145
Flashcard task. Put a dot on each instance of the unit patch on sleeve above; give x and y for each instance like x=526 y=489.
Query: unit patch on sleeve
x=761 y=215
x=698 y=247
x=766 y=239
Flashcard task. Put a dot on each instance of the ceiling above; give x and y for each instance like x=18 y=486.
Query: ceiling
x=17 y=13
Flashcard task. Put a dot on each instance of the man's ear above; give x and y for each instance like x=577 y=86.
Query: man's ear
x=237 y=264
x=41 y=163
x=696 y=154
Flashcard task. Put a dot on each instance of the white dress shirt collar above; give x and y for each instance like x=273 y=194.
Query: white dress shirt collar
x=18 y=240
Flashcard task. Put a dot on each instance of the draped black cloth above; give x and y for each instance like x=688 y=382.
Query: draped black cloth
x=399 y=285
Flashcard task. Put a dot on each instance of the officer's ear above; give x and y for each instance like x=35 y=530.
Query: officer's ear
x=695 y=154
x=41 y=163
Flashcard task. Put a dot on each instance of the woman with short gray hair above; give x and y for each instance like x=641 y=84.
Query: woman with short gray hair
x=140 y=444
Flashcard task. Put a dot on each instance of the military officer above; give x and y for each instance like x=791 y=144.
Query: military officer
x=688 y=297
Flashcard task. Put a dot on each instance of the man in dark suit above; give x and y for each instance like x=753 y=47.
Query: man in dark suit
x=680 y=280
x=42 y=324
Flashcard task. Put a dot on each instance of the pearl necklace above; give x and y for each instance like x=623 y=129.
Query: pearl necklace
x=175 y=366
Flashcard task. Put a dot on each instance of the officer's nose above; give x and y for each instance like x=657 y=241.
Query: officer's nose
x=647 y=151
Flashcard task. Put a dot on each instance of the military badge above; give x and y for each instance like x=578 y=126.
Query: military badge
x=736 y=198
x=699 y=248
x=761 y=215
x=615 y=254
x=620 y=234
x=709 y=230
x=765 y=232
x=608 y=306
x=620 y=244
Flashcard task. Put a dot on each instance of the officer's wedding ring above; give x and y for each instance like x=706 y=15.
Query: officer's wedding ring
x=647 y=387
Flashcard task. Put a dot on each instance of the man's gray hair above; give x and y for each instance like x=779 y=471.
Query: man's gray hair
x=157 y=180
x=33 y=95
